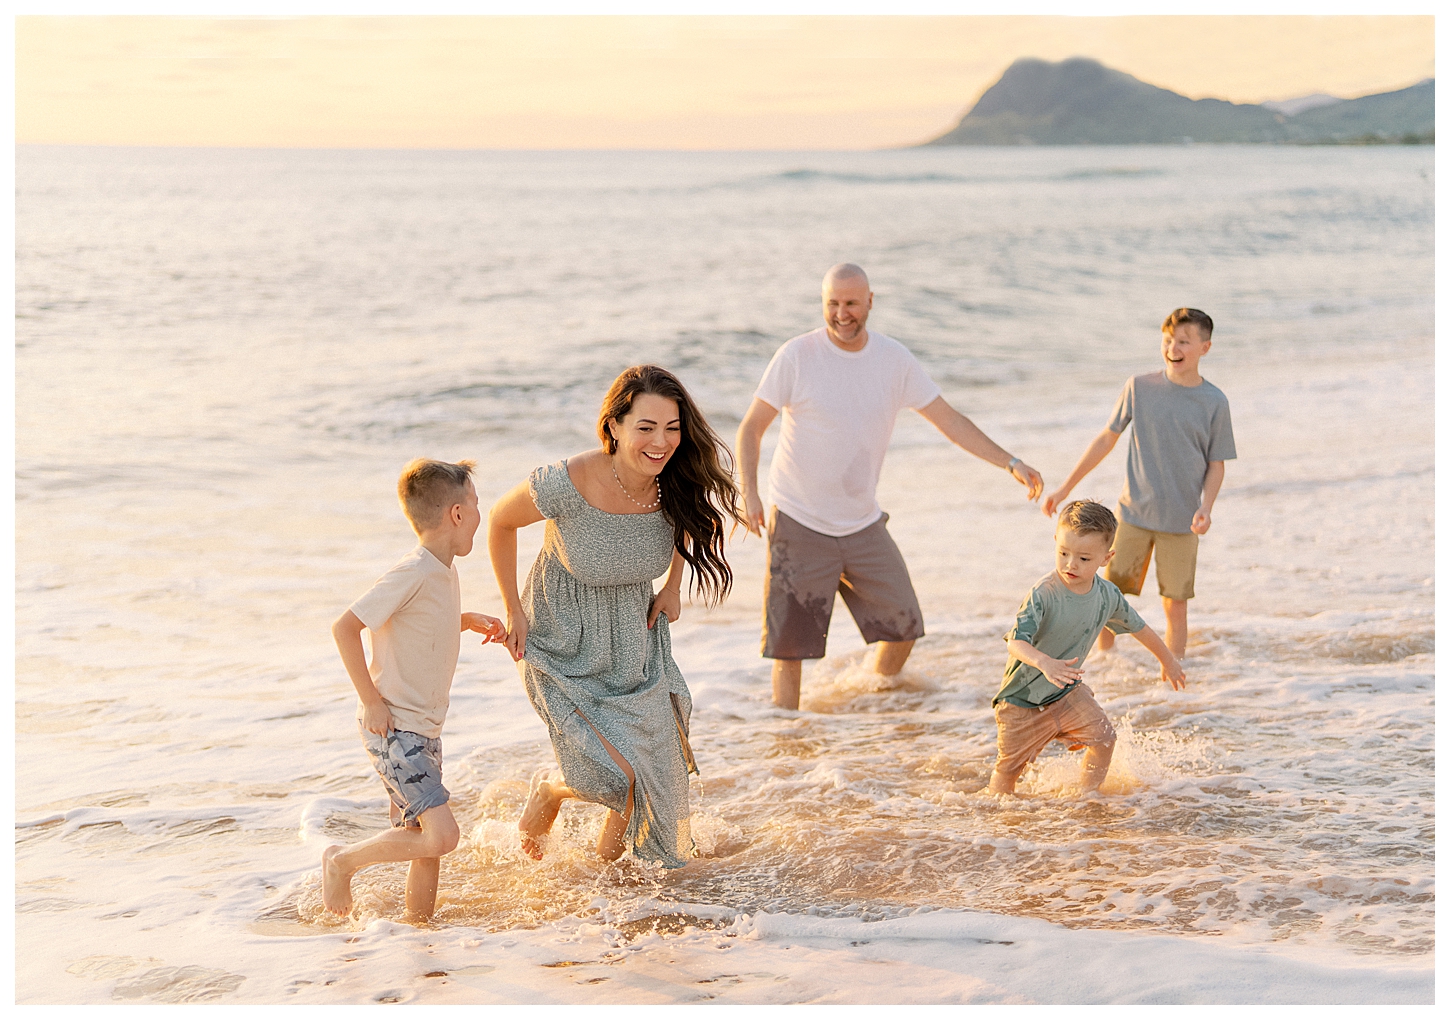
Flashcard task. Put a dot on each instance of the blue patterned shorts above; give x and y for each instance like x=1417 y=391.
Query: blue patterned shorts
x=411 y=767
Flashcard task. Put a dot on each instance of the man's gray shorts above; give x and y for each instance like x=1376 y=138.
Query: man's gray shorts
x=411 y=767
x=805 y=571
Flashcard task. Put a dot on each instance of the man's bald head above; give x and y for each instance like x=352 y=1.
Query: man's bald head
x=843 y=272
x=845 y=303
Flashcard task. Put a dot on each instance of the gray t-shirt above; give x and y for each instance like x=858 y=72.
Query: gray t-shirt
x=1058 y=622
x=1177 y=431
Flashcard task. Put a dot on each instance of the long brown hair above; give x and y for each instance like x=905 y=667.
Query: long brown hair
x=697 y=485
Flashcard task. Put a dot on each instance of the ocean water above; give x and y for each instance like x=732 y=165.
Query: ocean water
x=223 y=358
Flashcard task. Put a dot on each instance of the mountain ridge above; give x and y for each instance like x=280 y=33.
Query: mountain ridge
x=1080 y=101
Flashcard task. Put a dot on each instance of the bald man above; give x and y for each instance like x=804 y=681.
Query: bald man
x=840 y=388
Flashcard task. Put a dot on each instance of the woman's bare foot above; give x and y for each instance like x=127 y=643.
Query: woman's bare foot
x=539 y=814
x=336 y=884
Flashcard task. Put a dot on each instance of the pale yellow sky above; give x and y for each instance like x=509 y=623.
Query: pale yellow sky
x=637 y=82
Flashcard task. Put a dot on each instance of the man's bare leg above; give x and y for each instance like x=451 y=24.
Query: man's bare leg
x=891 y=656
x=1105 y=640
x=785 y=683
x=1176 y=610
x=437 y=836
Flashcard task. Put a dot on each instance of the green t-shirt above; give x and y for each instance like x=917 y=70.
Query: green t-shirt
x=1063 y=624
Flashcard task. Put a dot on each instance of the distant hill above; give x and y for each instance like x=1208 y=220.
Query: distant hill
x=1406 y=115
x=1289 y=107
x=1079 y=101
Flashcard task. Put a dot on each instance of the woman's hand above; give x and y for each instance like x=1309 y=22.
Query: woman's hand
x=518 y=632
x=667 y=602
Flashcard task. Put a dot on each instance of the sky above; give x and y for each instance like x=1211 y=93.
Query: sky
x=625 y=82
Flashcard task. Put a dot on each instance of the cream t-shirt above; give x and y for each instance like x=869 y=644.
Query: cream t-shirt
x=413 y=613
x=838 y=409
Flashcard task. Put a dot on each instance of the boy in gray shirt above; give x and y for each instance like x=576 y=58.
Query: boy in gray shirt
x=1182 y=434
x=1042 y=697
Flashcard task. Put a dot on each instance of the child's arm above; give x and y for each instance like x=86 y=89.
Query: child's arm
x=490 y=627
x=513 y=511
x=1212 y=482
x=347 y=632
x=1170 y=670
x=1060 y=673
x=1099 y=448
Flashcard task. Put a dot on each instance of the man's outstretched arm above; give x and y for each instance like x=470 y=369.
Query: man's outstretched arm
x=959 y=429
x=747 y=454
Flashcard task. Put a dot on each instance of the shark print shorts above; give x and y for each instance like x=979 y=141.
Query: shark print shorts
x=411 y=767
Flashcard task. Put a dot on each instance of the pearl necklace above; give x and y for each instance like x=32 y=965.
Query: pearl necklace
x=642 y=506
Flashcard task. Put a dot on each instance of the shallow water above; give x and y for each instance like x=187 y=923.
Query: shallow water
x=223 y=358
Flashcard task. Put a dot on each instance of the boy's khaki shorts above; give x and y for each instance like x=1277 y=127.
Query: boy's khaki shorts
x=1076 y=719
x=1176 y=556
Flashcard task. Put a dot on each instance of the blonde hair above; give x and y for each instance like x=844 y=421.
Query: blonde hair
x=1192 y=316
x=428 y=488
x=1089 y=517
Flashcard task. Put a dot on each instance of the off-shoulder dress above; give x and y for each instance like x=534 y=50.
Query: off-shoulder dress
x=590 y=655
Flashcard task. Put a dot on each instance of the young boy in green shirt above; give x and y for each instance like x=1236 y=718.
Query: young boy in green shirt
x=1043 y=697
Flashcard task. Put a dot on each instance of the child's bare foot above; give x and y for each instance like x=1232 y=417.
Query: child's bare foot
x=1000 y=784
x=336 y=884
x=539 y=814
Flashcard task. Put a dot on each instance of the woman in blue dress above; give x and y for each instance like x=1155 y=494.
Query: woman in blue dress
x=591 y=633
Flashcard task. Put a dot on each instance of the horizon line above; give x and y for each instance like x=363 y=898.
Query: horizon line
x=642 y=150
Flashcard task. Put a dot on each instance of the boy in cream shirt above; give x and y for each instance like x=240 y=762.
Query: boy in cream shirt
x=414 y=615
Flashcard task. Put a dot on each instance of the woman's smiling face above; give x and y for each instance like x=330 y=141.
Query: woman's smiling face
x=648 y=434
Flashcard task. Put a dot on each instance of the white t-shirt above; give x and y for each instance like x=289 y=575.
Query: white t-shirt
x=837 y=412
x=413 y=614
